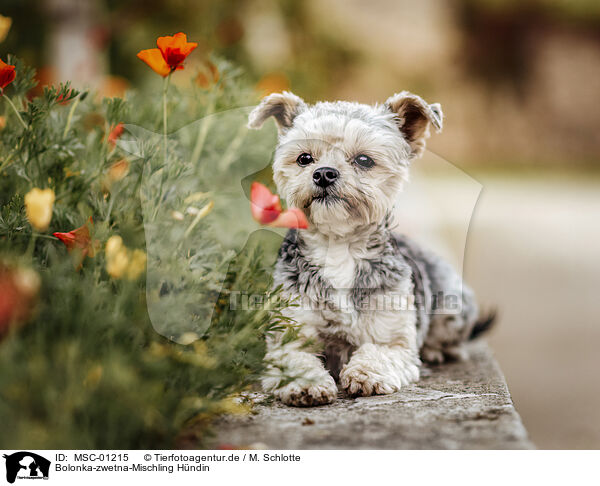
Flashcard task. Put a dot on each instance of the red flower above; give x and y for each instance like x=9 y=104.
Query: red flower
x=80 y=240
x=63 y=99
x=227 y=447
x=175 y=49
x=171 y=52
x=115 y=134
x=7 y=74
x=18 y=289
x=266 y=209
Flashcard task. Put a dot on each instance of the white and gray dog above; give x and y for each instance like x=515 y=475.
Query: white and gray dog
x=367 y=296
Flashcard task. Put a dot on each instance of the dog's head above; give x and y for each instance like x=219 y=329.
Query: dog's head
x=344 y=163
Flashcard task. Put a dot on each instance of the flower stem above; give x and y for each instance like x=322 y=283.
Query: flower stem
x=164 y=168
x=14 y=109
x=165 y=89
x=48 y=237
x=110 y=207
x=231 y=152
x=6 y=162
x=31 y=246
x=203 y=130
x=70 y=117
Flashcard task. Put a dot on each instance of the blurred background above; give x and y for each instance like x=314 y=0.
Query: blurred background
x=519 y=82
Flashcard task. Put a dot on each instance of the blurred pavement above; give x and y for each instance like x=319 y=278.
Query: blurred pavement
x=534 y=252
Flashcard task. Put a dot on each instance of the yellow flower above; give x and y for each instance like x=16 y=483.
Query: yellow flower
x=121 y=262
x=93 y=377
x=137 y=264
x=38 y=206
x=5 y=23
x=116 y=257
x=113 y=245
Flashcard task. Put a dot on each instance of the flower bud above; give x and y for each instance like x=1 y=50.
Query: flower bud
x=38 y=206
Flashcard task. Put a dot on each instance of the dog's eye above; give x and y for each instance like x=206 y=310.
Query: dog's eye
x=364 y=161
x=304 y=159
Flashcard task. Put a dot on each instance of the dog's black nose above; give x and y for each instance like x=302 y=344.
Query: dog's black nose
x=325 y=176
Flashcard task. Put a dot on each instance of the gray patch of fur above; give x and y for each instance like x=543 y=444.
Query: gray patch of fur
x=297 y=275
x=382 y=271
x=442 y=332
x=395 y=258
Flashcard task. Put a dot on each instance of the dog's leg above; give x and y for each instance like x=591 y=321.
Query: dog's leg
x=294 y=375
x=376 y=369
x=310 y=384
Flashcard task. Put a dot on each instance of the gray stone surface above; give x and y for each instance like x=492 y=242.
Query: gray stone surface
x=455 y=406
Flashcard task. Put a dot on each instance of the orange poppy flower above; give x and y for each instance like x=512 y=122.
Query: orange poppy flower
x=170 y=54
x=7 y=74
x=154 y=59
x=209 y=76
x=175 y=48
x=115 y=134
x=266 y=209
x=273 y=83
x=80 y=240
x=118 y=170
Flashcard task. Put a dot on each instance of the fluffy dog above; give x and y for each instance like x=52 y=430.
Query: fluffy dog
x=372 y=301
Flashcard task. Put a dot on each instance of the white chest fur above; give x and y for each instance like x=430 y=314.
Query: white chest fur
x=334 y=305
x=338 y=259
x=338 y=264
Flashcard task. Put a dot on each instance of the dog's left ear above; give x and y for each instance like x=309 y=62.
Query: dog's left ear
x=413 y=116
x=284 y=107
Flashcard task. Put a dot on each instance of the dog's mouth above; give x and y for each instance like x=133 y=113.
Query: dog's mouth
x=320 y=197
x=323 y=197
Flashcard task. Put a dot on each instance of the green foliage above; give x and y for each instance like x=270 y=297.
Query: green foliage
x=88 y=369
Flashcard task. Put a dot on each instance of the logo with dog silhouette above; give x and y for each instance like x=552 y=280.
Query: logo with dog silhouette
x=26 y=465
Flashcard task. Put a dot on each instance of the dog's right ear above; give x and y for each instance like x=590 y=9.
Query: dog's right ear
x=284 y=107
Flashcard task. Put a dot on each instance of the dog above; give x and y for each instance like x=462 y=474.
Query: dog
x=364 y=297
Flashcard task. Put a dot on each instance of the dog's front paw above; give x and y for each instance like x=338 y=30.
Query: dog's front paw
x=378 y=370
x=305 y=394
x=363 y=381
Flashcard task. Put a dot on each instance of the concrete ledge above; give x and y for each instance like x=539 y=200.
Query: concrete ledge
x=455 y=406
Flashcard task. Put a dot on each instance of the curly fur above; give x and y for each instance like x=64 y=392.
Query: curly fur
x=373 y=300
